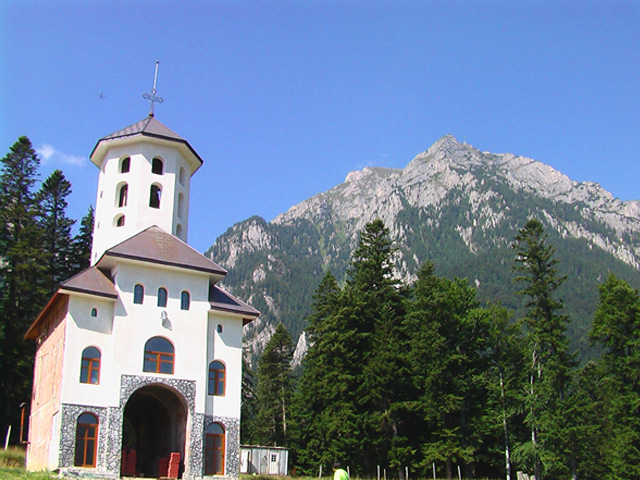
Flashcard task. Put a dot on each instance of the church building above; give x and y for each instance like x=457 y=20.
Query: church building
x=138 y=369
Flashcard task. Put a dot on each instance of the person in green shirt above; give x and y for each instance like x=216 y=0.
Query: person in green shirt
x=339 y=473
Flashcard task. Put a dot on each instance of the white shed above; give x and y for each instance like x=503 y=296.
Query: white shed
x=264 y=460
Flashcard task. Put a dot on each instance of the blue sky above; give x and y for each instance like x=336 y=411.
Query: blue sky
x=283 y=98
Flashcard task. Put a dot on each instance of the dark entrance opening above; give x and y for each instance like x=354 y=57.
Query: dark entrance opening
x=153 y=429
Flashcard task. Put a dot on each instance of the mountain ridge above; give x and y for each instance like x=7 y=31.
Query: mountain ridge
x=452 y=204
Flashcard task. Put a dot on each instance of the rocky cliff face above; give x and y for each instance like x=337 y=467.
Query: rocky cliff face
x=452 y=204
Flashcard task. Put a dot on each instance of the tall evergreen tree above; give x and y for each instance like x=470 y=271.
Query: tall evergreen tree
x=22 y=269
x=274 y=389
x=447 y=334
x=249 y=400
x=372 y=311
x=315 y=394
x=354 y=423
x=56 y=226
x=616 y=327
x=82 y=242
x=502 y=416
x=550 y=362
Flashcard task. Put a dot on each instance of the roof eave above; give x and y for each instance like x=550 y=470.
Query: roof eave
x=100 y=149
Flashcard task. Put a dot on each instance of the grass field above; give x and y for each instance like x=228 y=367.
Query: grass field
x=12 y=468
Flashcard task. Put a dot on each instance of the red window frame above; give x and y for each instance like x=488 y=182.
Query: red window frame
x=217 y=378
x=90 y=366
x=214 y=446
x=86 y=440
x=159 y=356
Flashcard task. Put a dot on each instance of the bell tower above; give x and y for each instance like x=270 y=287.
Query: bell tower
x=145 y=173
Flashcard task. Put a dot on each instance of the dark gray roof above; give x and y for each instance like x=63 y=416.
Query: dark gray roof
x=221 y=300
x=149 y=127
x=91 y=281
x=154 y=245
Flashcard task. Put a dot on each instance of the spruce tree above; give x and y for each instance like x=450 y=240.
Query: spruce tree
x=274 y=389
x=82 y=242
x=56 y=226
x=315 y=396
x=550 y=363
x=22 y=269
x=447 y=334
x=616 y=327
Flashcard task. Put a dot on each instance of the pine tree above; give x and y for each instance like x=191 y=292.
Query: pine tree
x=315 y=396
x=274 y=389
x=82 y=242
x=57 y=241
x=447 y=360
x=22 y=268
x=248 y=408
x=616 y=326
x=372 y=312
x=502 y=416
x=550 y=364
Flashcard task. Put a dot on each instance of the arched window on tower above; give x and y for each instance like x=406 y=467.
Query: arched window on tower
x=86 y=440
x=125 y=165
x=181 y=206
x=154 y=196
x=123 y=194
x=181 y=176
x=156 y=166
x=119 y=221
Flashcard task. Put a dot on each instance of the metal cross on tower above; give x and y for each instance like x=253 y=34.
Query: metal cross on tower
x=152 y=97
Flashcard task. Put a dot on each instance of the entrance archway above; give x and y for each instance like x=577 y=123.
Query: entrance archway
x=154 y=427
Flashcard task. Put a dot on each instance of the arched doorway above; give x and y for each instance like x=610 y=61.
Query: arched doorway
x=154 y=427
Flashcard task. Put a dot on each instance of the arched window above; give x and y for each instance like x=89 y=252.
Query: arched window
x=138 y=294
x=162 y=297
x=216 y=378
x=125 y=164
x=185 y=300
x=214 y=446
x=120 y=221
x=86 y=440
x=179 y=231
x=181 y=175
x=94 y=312
x=159 y=356
x=123 y=195
x=180 y=206
x=156 y=166
x=154 y=196
x=90 y=369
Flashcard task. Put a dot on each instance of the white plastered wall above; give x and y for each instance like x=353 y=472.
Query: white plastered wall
x=137 y=213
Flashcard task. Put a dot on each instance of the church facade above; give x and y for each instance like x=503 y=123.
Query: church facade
x=138 y=369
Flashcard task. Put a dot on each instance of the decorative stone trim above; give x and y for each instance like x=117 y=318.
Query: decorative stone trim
x=110 y=420
x=232 y=441
x=69 y=423
x=183 y=388
x=131 y=383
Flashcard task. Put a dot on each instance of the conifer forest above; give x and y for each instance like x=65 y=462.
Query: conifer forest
x=415 y=377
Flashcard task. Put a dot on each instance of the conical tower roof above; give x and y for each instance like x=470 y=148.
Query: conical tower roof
x=151 y=128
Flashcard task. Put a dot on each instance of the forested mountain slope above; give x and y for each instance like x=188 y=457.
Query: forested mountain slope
x=452 y=204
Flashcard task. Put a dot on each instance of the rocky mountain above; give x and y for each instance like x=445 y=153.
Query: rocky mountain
x=452 y=204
